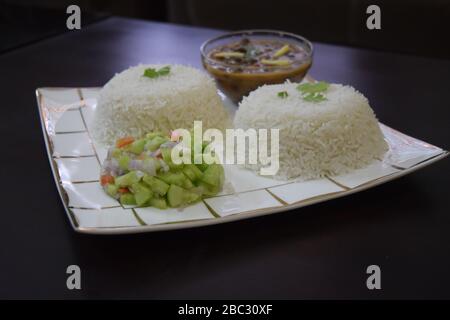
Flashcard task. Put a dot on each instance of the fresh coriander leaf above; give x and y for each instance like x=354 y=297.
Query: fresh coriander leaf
x=314 y=97
x=321 y=86
x=307 y=87
x=282 y=94
x=151 y=73
x=304 y=87
x=164 y=71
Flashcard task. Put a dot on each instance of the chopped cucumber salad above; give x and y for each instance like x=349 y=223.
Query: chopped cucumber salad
x=140 y=172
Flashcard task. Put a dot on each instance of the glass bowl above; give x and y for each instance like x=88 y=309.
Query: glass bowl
x=238 y=80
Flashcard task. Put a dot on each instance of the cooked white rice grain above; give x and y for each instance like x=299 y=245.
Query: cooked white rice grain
x=131 y=104
x=330 y=137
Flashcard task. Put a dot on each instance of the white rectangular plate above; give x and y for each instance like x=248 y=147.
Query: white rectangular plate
x=66 y=116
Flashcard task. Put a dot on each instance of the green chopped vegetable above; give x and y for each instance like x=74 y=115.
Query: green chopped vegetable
x=307 y=87
x=159 y=203
x=158 y=186
x=111 y=190
x=154 y=143
x=124 y=160
x=314 y=97
x=141 y=173
x=213 y=175
x=128 y=199
x=153 y=73
x=164 y=71
x=137 y=146
x=313 y=92
x=177 y=196
x=283 y=94
x=127 y=179
x=141 y=193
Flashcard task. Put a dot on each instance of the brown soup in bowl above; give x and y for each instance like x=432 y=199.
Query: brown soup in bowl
x=242 y=61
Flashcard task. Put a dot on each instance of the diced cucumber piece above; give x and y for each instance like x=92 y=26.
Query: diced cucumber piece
x=156 y=185
x=137 y=147
x=152 y=135
x=213 y=175
x=187 y=184
x=151 y=166
x=191 y=197
x=202 y=166
x=175 y=196
x=192 y=172
x=177 y=178
x=127 y=199
x=159 y=203
x=142 y=194
x=156 y=163
x=111 y=189
x=167 y=157
x=127 y=179
x=208 y=190
x=124 y=160
x=154 y=143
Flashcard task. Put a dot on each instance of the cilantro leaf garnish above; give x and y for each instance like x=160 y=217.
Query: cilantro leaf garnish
x=153 y=73
x=282 y=94
x=307 y=87
x=150 y=73
x=314 y=97
x=164 y=71
x=313 y=92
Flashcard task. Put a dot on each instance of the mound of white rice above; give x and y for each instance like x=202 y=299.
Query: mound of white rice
x=131 y=104
x=330 y=137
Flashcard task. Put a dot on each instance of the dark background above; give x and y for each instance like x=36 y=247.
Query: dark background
x=320 y=251
x=409 y=26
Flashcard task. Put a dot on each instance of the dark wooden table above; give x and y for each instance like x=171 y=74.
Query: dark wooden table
x=320 y=251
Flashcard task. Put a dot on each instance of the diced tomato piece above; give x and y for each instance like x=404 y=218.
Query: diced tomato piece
x=124 y=141
x=123 y=190
x=105 y=179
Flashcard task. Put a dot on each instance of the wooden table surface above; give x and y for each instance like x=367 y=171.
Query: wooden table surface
x=321 y=251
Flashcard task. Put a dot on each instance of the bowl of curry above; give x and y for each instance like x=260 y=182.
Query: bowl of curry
x=242 y=61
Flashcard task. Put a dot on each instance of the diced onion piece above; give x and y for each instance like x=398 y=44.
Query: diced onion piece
x=139 y=174
x=229 y=55
x=175 y=135
x=135 y=165
x=283 y=50
x=276 y=62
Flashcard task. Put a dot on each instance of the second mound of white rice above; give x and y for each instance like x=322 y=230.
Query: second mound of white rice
x=131 y=104
x=330 y=137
